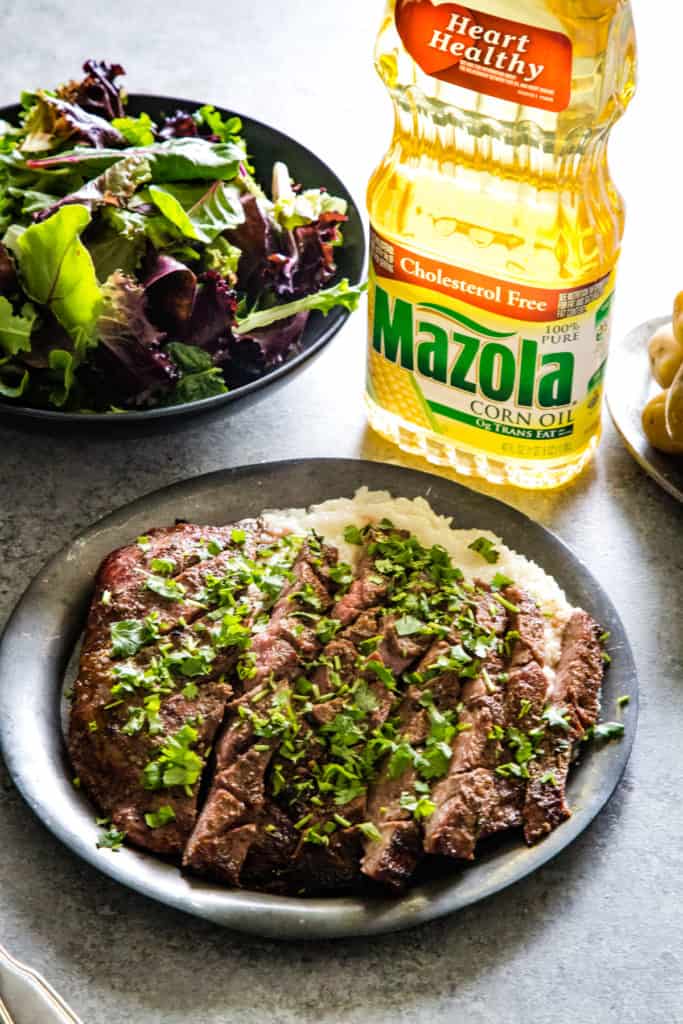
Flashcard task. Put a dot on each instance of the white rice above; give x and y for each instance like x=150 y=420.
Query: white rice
x=331 y=518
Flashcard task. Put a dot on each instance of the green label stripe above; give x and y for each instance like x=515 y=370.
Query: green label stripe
x=604 y=310
x=597 y=377
x=465 y=321
x=527 y=433
x=424 y=404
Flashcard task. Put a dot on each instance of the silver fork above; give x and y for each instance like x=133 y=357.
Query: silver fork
x=25 y=996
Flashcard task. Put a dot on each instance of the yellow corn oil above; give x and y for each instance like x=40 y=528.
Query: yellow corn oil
x=496 y=230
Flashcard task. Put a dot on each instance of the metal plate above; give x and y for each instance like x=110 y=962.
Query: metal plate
x=629 y=388
x=40 y=637
x=265 y=146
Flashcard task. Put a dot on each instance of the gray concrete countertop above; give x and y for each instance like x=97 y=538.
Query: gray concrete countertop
x=597 y=934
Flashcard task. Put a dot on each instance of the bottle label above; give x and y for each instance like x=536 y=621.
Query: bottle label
x=513 y=61
x=498 y=367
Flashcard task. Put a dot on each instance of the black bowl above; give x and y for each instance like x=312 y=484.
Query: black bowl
x=265 y=146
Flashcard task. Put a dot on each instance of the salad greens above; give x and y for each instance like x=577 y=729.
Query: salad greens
x=141 y=264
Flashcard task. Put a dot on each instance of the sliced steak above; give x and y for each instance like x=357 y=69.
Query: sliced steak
x=575 y=694
x=127 y=710
x=230 y=824
x=482 y=795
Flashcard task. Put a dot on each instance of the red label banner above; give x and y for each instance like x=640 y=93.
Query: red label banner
x=505 y=298
x=507 y=59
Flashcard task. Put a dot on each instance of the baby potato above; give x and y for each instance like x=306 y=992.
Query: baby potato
x=666 y=354
x=654 y=425
x=678 y=317
x=673 y=411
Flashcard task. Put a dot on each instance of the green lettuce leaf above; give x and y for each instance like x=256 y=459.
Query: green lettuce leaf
x=342 y=294
x=114 y=187
x=194 y=386
x=200 y=214
x=61 y=365
x=225 y=130
x=15 y=330
x=137 y=131
x=117 y=242
x=7 y=391
x=173 y=211
x=186 y=159
x=189 y=358
x=57 y=271
x=223 y=257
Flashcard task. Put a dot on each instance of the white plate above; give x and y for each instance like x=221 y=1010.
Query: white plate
x=629 y=388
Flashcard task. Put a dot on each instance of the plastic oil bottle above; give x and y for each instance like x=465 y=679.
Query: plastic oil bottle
x=496 y=230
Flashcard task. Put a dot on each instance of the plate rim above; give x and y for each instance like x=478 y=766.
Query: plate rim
x=629 y=433
x=329 y=326
x=291 y=917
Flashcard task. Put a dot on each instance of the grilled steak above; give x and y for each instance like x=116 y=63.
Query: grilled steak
x=576 y=695
x=151 y=692
x=339 y=726
x=237 y=810
x=483 y=793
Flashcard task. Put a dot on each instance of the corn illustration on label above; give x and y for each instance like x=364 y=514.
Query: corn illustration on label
x=494 y=365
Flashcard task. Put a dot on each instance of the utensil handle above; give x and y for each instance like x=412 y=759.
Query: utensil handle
x=25 y=996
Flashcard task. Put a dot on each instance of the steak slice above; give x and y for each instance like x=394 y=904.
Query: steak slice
x=234 y=817
x=263 y=839
x=482 y=794
x=127 y=710
x=191 y=553
x=575 y=693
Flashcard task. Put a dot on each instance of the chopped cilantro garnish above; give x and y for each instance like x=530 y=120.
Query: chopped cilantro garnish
x=370 y=645
x=129 y=635
x=341 y=574
x=112 y=839
x=608 y=731
x=177 y=764
x=171 y=590
x=524 y=708
x=408 y=625
x=500 y=581
x=548 y=779
x=190 y=692
x=508 y=605
x=556 y=718
x=486 y=549
x=327 y=629
x=496 y=733
x=162 y=566
x=352 y=535
x=370 y=831
x=238 y=536
x=157 y=819
x=420 y=807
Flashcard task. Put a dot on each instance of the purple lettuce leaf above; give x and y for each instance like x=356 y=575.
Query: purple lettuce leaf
x=98 y=93
x=257 y=239
x=253 y=354
x=308 y=262
x=114 y=187
x=212 y=317
x=180 y=125
x=134 y=367
x=197 y=311
x=170 y=289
